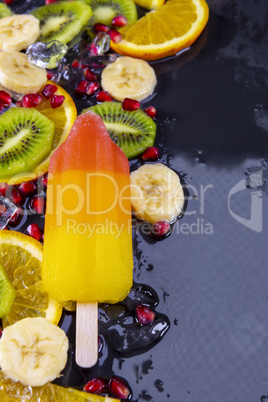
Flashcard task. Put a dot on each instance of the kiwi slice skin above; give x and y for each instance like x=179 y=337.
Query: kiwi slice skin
x=105 y=10
x=62 y=21
x=132 y=131
x=26 y=138
x=4 y=10
x=7 y=293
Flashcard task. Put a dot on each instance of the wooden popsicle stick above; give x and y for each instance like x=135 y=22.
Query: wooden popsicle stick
x=86 y=353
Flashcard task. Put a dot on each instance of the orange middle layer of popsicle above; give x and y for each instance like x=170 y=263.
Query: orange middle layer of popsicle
x=88 y=238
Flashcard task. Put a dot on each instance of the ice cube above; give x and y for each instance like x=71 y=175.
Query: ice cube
x=63 y=72
x=46 y=55
x=100 y=44
x=7 y=210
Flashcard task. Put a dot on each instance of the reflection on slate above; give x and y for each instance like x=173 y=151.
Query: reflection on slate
x=123 y=331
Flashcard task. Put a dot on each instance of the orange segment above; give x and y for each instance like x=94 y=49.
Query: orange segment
x=178 y=22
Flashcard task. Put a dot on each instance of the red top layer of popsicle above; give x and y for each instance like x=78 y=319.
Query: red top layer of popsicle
x=106 y=156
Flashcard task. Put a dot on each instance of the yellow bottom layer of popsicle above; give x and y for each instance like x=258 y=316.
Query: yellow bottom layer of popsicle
x=103 y=273
x=88 y=256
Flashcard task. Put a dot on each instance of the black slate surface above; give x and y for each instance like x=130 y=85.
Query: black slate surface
x=211 y=274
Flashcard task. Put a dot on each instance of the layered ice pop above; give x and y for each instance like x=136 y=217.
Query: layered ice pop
x=88 y=238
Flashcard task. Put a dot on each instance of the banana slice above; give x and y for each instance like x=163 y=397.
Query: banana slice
x=156 y=193
x=128 y=77
x=17 y=74
x=18 y=31
x=33 y=351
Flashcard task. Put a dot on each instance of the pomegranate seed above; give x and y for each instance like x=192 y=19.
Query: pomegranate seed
x=119 y=21
x=92 y=88
x=42 y=238
x=38 y=204
x=81 y=88
x=31 y=100
x=101 y=27
x=3 y=188
x=57 y=101
x=89 y=75
x=103 y=96
x=161 y=229
x=28 y=188
x=130 y=104
x=49 y=90
x=16 y=196
x=43 y=182
x=8 y=1
x=50 y=75
x=118 y=388
x=16 y=217
x=50 y=1
x=5 y=98
x=150 y=154
x=34 y=231
x=115 y=35
x=144 y=314
x=19 y=103
x=96 y=386
x=151 y=111
x=75 y=63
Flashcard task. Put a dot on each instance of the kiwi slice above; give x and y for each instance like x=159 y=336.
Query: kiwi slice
x=26 y=138
x=133 y=131
x=62 y=21
x=7 y=293
x=105 y=10
x=4 y=10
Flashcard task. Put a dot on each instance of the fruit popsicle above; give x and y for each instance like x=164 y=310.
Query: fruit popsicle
x=88 y=238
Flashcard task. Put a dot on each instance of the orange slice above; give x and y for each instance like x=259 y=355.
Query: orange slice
x=165 y=31
x=63 y=117
x=21 y=256
x=11 y=391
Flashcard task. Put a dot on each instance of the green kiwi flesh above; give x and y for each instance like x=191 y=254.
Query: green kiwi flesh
x=7 y=293
x=105 y=10
x=62 y=21
x=4 y=10
x=132 y=131
x=26 y=138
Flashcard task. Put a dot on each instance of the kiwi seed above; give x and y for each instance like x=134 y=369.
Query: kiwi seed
x=26 y=138
x=132 y=131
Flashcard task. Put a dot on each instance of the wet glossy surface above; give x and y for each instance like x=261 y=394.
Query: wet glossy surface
x=211 y=274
